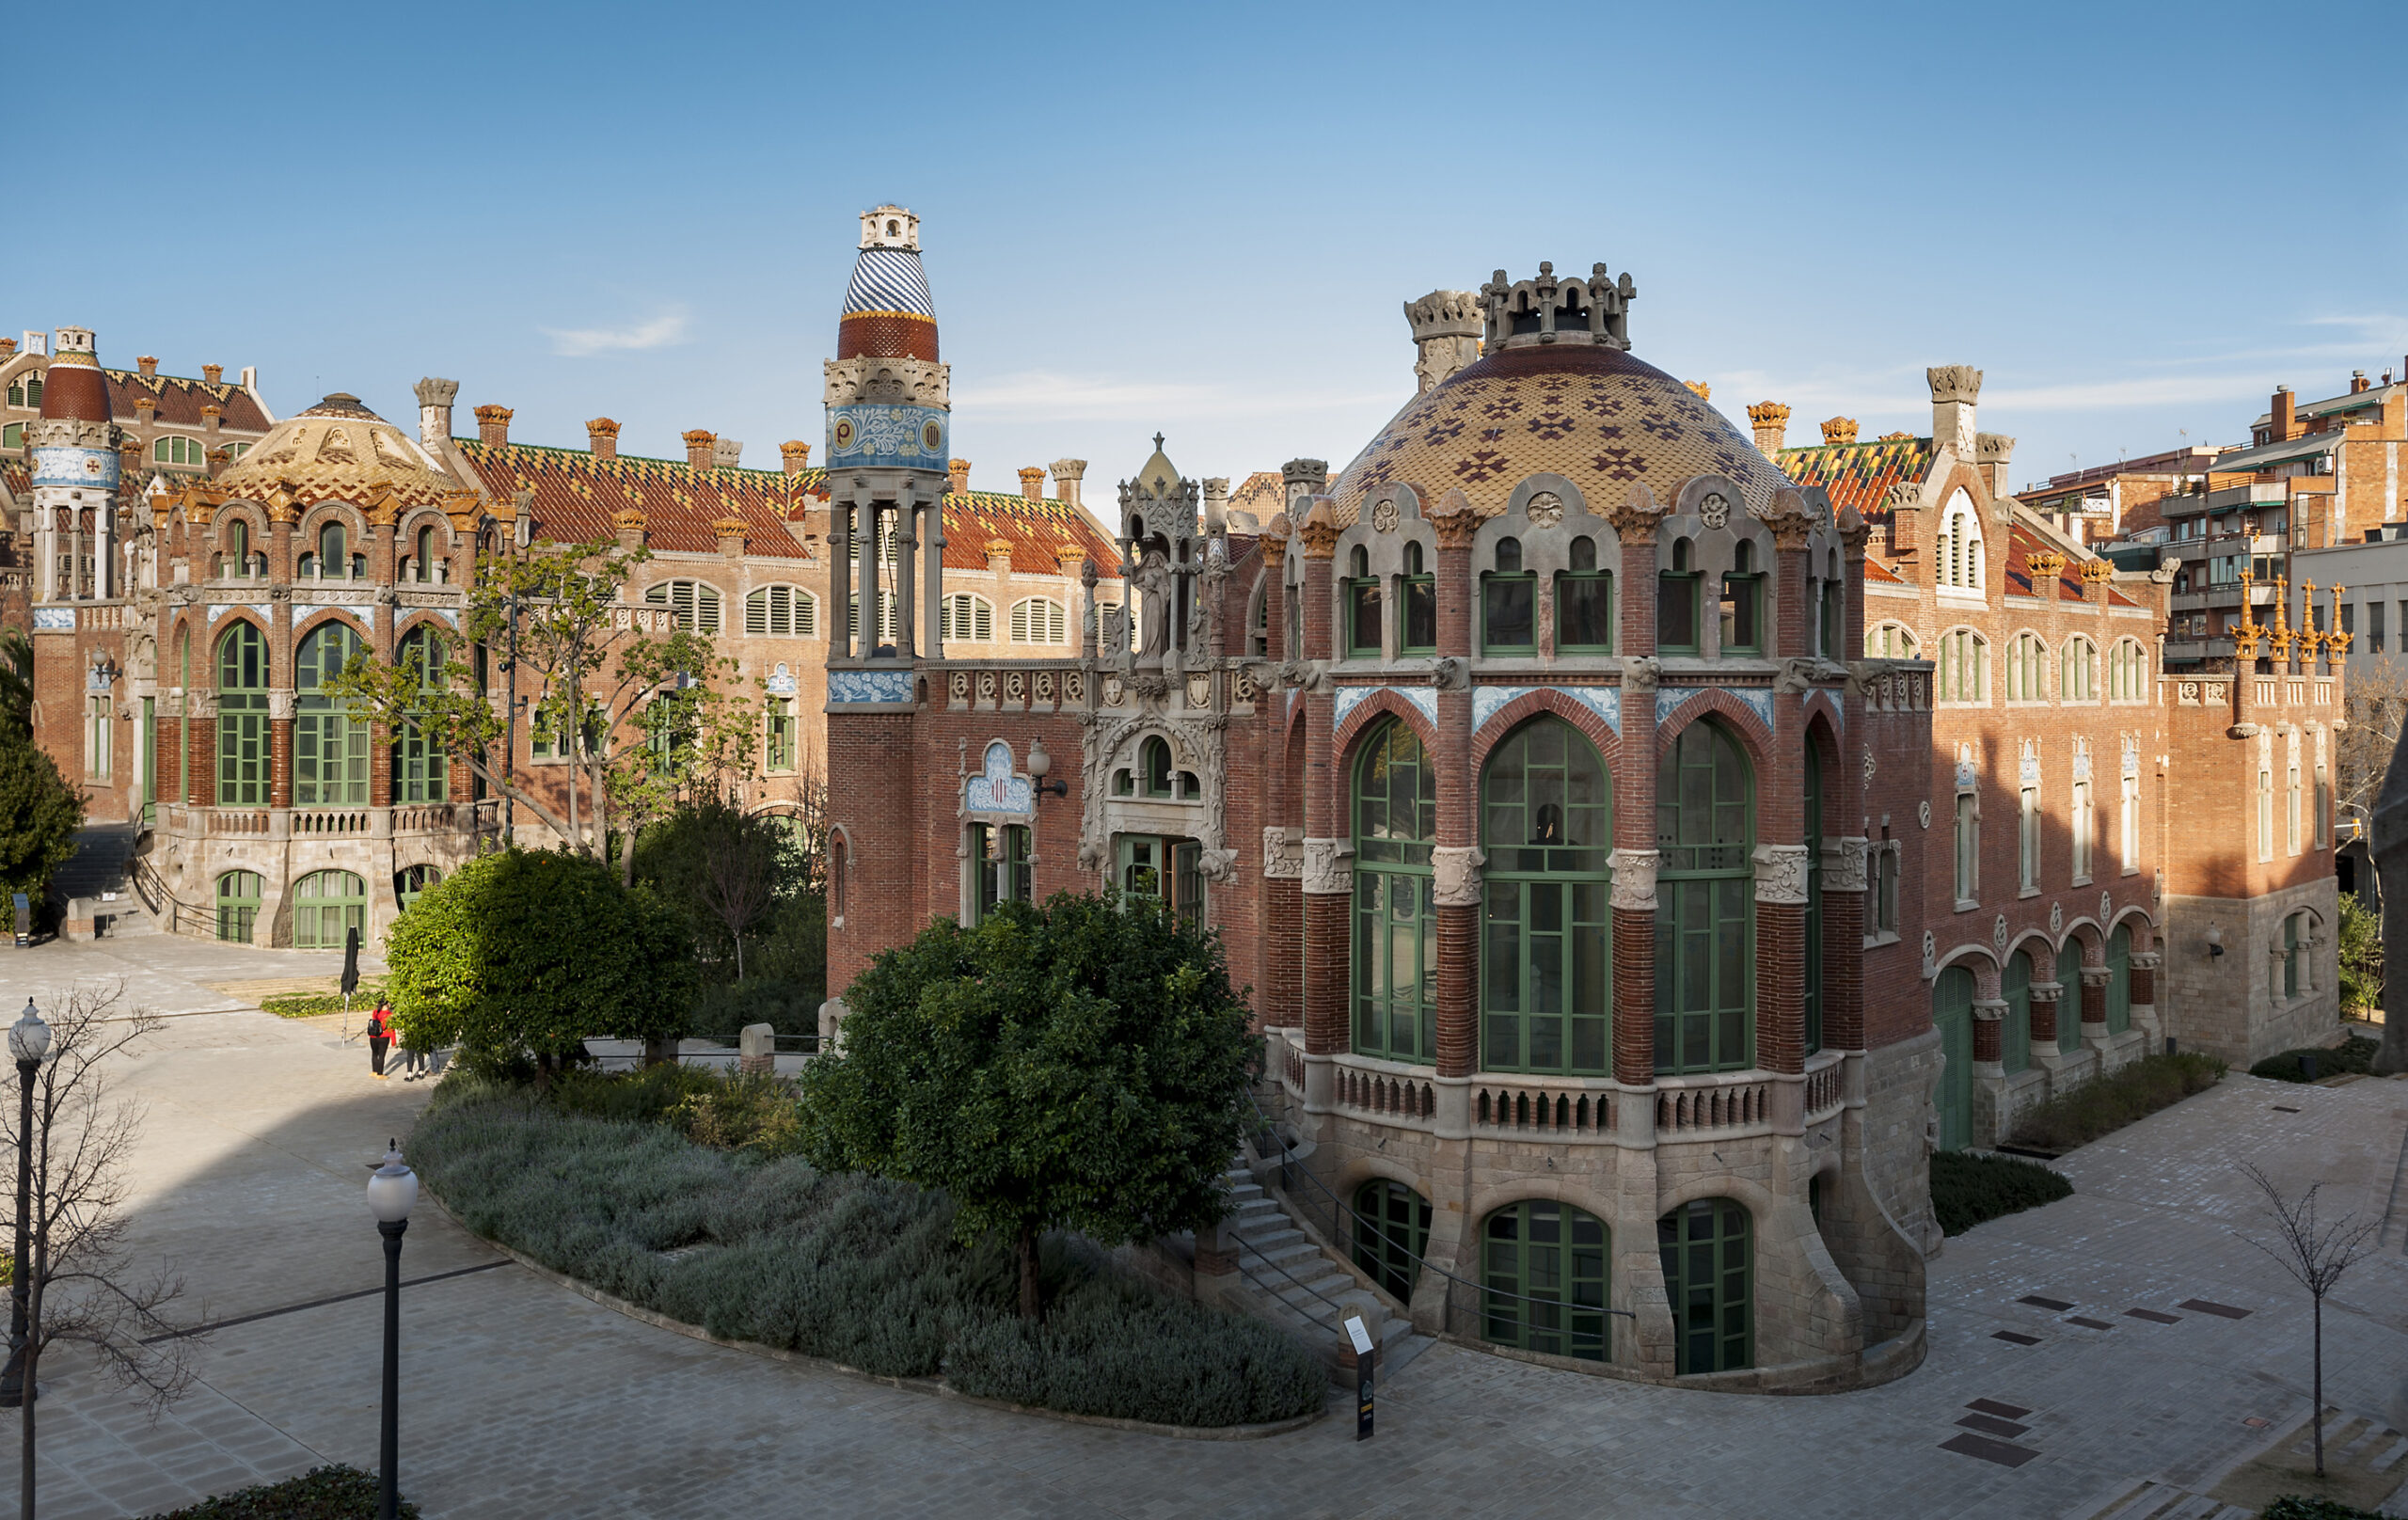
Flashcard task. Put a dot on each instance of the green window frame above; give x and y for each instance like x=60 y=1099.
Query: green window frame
x=1546 y=825
x=2120 y=979
x=1508 y=597
x=1676 y=599
x=1363 y=635
x=2015 y=1026
x=1165 y=870
x=1707 y=1248
x=147 y=754
x=411 y=882
x=1584 y=603
x=999 y=854
x=1952 y=1014
x=1396 y=921
x=241 y=718
x=778 y=730
x=422 y=771
x=1812 y=996
x=2069 y=997
x=325 y=904
x=329 y=744
x=1705 y=917
x=1417 y=592
x=1742 y=605
x=238 y=906
x=1830 y=606
x=1546 y=1270
x=1391 y=1234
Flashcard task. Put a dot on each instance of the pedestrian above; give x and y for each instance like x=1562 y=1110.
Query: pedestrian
x=412 y=1059
x=380 y=1037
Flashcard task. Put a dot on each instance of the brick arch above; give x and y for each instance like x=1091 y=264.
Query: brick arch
x=2086 y=932
x=1380 y=700
x=1823 y=732
x=1823 y=706
x=215 y=637
x=1746 y=1192
x=1505 y=720
x=1981 y=960
x=1379 y=1169
x=1574 y=1188
x=2034 y=944
x=1755 y=740
x=424 y=617
x=301 y=631
x=314 y=515
x=2142 y=926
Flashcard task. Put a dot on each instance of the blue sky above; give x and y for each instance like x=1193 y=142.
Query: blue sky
x=2136 y=219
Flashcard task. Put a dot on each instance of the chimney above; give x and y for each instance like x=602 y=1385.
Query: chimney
x=1069 y=557
x=210 y=415
x=1770 y=420
x=219 y=459
x=1301 y=480
x=794 y=456
x=2048 y=569
x=149 y=365
x=628 y=524
x=999 y=555
x=1955 y=390
x=957 y=474
x=1032 y=482
x=146 y=405
x=602 y=437
x=1991 y=452
x=1838 y=430
x=493 y=424
x=731 y=531
x=700 y=445
x=212 y=375
x=2281 y=430
x=727 y=453
x=1447 y=326
x=250 y=377
x=2358 y=381
x=435 y=398
x=1066 y=475
x=1216 y=505
x=129 y=458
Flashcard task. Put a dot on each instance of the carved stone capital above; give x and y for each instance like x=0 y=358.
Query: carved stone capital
x=1635 y=520
x=1327 y=872
x=1455 y=869
x=2047 y=991
x=1448 y=673
x=1781 y=874
x=1955 y=383
x=279 y=705
x=1642 y=672
x=1283 y=859
x=1320 y=531
x=1844 y=867
x=1791 y=521
x=2097 y=976
x=1454 y=521
x=1989 y=1010
x=1854 y=532
x=1634 y=878
x=2146 y=961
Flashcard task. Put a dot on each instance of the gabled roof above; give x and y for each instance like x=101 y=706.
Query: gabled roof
x=1034 y=529
x=1859 y=475
x=181 y=400
x=577 y=496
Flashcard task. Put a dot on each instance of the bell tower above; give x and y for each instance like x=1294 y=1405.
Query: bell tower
x=74 y=445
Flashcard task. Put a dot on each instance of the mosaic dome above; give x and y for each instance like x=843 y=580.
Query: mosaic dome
x=1586 y=411
x=337 y=450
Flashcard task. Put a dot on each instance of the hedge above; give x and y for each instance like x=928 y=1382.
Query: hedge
x=2354 y=1054
x=336 y=1492
x=2300 y=1507
x=1966 y=1189
x=2105 y=1104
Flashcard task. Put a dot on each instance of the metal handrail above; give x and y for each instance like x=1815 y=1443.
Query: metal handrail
x=1275 y=1294
x=148 y=883
x=1290 y=1275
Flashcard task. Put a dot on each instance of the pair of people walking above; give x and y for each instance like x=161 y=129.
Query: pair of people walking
x=380 y=1039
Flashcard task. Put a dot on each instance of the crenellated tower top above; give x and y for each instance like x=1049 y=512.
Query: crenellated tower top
x=1549 y=310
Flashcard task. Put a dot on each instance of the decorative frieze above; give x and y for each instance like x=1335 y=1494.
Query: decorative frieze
x=1325 y=871
x=1283 y=859
x=1781 y=874
x=1844 y=866
x=1455 y=875
x=1634 y=878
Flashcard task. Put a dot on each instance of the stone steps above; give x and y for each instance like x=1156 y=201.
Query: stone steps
x=1284 y=1277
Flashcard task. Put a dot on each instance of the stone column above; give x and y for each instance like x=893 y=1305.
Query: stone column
x=1457 y=859
x=1988 y=1015
x=2045 y=997
x=1635 y=860
x=1780 y=957
x=1328 y=878
x=1793 y=621
x=1854 y=532
x=1635 y=523
x=840 y=581
x=1456 y=890
x=2143 y=974
x=1283 y=870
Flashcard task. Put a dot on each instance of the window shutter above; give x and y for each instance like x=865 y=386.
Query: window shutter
x=984 y=615
x=756 y=612
x=806 y=615
x=1019 y=622
x=706 y=608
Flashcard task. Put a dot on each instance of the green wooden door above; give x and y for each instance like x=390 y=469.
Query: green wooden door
x=238 y=905
x=1543 y=1265
x=324 y=905
x=1952 y=1014
x=1708 y=1278
x=2119 y=981
x=2069 y=997
x=2015 y=1028
x=1391 y=1234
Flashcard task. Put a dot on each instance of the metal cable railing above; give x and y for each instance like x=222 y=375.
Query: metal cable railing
x=176 y=915
x=1274 y=1295
x=1291 y=1277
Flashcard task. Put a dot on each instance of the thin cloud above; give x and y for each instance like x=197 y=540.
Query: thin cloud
x=1044 y=394
x=583 y=343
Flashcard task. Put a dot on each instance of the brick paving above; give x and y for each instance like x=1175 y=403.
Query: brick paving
x=521 y=1398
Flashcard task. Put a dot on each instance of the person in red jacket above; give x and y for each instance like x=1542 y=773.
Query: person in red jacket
x=380 y=1036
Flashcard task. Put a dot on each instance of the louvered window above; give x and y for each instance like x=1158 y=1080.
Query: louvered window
x=885 y=619
x=1040 y=621
x=969 y=620
x=782 y=611
x=694 y=604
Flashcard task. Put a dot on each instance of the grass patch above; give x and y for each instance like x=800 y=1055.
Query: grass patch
x=2354 y=1054
x=753 y=1112
x=1966 y=1189
x=2106 y=1104
x=310 y=1005
x=853 y=1269
x=336 y=1492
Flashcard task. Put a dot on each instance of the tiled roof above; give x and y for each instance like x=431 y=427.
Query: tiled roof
x=2021 y=544
x=17 y=479
x=1032 y=529
x=1264 y=493
x=1881 y=574
x=181 y=400
x=1858 y=475
x=576 y=496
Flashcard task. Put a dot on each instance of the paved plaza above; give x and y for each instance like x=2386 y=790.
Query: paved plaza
x=522 y=1399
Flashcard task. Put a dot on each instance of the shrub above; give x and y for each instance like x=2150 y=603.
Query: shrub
x=643 y=1096
x=310 y=1005
x=855 y=1269
x=2300 y=1507
x=334 y=1493
x=2107 y=1103
x=2354 y=1054
x=2361 y=957
x=1966 y=1189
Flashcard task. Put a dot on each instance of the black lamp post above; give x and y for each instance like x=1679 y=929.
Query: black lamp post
x=1038 y=764
x=391 y=1189
x=28 y=1042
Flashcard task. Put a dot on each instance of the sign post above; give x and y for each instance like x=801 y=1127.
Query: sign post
x=1364 y=1359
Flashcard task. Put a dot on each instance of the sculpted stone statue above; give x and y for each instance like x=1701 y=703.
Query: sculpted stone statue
x=1153 y=581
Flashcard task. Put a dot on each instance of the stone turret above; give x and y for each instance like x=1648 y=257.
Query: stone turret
x=1445 y=334
x=1549 y=310
x=75 y=473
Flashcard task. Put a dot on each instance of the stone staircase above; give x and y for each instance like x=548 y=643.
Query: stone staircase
x=97 y=886
x=1286 y=1277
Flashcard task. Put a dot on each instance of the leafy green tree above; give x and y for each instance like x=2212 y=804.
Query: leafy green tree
x=2361 y=957
x=1082 y=1065
x=527 y=953
x=39 y=815
x=16 y=684
x=725 y=869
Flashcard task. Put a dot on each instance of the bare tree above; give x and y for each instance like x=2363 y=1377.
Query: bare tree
x=738 y=879
x=2377 y=699
x=2316 y=1254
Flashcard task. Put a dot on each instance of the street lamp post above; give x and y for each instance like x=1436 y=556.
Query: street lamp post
x=28 y=1042
x=391 y=1189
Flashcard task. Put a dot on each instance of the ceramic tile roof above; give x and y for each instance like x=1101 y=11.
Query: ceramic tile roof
x=1881 y=574
x=2021 y=544
x=1032 y=529
x=1858 y=475
x=576 y=496
x=181 y=400
x=1264 y=493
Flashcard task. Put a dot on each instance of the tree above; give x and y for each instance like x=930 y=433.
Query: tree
x=1082 y=1065
x=80 y=1285
x=724 y=864
x=2316 y=1254
x=525 y=954
x=39 y=815
x=2361 y=957
x=16 y=684
x=2378 y=698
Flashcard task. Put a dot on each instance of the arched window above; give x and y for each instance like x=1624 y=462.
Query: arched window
x=1960 y=546
x=425 y=564
x=1153 y=767
x=782 y=613
x=2026 y=657
x=1507 y=593
x=1709 y=1281
x=1584 y=603
x=1362 y=606
x=968 y=620
x=237 y=558
x=1677 y=599
x=1039 y=620
x=1418 y=593
x=1543 y=1265
x=333 y=560
x=1951 y=1015
x=2127 y=672
x=329 y=745
x=2069 y=998
x=1891 y=640
x=241 y=718
x=1547 y=823
x=422 y=771
x=1964 y=667
x=2074 y=679
x=999 y=853
x=238 y=906
x=411 y=882
x=1396 y=923
x=2015 y=1026
x=175 y=449
x=326 y=905
x=1391 y=1234
x=1742 y=609
x=1813 y=810
x=692 y=604
x=1258 y=625
x=1705 y=905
